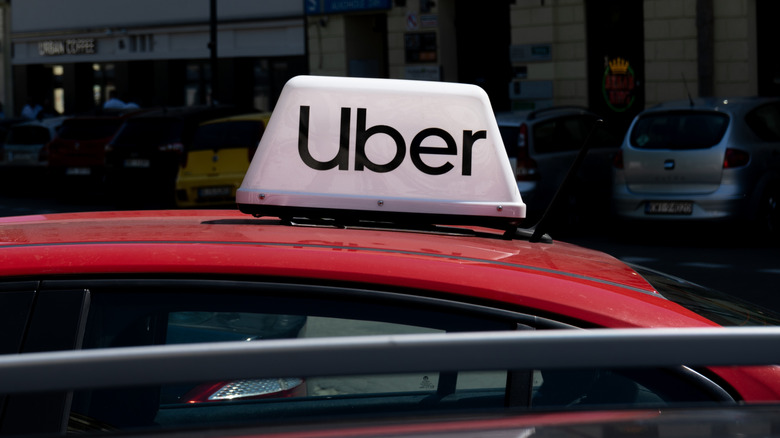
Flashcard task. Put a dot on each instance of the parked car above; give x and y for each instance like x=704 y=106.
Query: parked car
x=78 y=150
x=366 y=211
x=710 y=159
x=143 y=158
x=215 y=164
x=24 y=143
x=6 y=124
x=542 y=146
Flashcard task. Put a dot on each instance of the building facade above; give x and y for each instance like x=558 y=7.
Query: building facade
x=614 y=56
x=76 y=53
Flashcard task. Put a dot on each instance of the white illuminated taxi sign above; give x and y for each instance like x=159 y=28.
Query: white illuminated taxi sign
x=382 y=149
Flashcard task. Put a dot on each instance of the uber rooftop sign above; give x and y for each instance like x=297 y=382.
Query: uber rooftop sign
x=383 y=145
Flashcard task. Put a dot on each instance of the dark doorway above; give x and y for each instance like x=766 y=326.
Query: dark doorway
x=616 y=61
x=767 y=35
x=483 y=38
x=366 y=37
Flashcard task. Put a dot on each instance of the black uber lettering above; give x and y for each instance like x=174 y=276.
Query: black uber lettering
x=362 y=134
x=342 y=156
x=415 y=149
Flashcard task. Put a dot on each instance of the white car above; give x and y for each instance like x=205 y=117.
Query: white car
x=704 y=160
x=25 y=145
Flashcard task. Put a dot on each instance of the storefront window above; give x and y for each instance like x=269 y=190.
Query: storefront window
x=262 y=89
x=198 y=87
x=59 y=90
x=104 y=82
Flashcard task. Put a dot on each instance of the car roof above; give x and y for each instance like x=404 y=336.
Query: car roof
x=262 y=117
x=195 y=113
x=724 y=104
x=113 y=112
x=47 y=122
x=515 y=118
x=577 y=283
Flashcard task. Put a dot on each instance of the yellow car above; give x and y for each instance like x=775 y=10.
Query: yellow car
x=219 y=156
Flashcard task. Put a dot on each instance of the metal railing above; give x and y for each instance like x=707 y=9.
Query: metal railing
x=601 y=348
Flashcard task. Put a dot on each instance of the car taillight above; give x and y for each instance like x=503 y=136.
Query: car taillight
x=522 y=136
x=246 y=389
x=617 y=161
x=735 y=158
x=526 y=170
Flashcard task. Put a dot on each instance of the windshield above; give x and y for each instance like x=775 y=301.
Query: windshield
x=149 y=131
x=679 y=130
x=726 y=310
x=238 y=134
x=29 y=135
x=88 y=129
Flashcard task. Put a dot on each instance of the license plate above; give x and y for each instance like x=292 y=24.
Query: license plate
x=22 y=156
x=137 y=162
x=669 y=207
x=215 y=192
x=78 y=171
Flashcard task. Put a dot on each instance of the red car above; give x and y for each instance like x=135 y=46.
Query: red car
x=366 y=211
x=78 y=151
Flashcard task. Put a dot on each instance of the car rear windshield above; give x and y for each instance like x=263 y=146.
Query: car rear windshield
x=89 y=129
x=29 y=135
x=152 y=130
x=238 y=134
x=716 y=306
x=679 y=130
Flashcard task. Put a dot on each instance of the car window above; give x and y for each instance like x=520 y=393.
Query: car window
x=154 y=312
x=151 y=131
x=679 y=130
x=561 y=134
x=236 y=134
x=765 y=121
x=29 y=135
x=510 y=136
x=88 y=129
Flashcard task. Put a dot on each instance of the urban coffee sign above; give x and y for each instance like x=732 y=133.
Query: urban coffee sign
x=73 y=46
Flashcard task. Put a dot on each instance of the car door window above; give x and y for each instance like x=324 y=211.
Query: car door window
x=561 y=134
x=764 y=121
x=155 y=312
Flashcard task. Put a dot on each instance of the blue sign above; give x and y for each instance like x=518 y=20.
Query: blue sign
x=314 y=7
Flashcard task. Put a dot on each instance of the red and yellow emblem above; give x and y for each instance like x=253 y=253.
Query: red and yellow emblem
x=618 y=84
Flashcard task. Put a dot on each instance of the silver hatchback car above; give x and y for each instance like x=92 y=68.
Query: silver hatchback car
x=709 y=159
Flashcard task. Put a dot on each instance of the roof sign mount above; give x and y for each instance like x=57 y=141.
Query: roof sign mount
x=388 y=150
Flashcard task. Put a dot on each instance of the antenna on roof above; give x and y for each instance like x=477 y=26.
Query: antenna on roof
x=685 y=83
x=563 y=190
